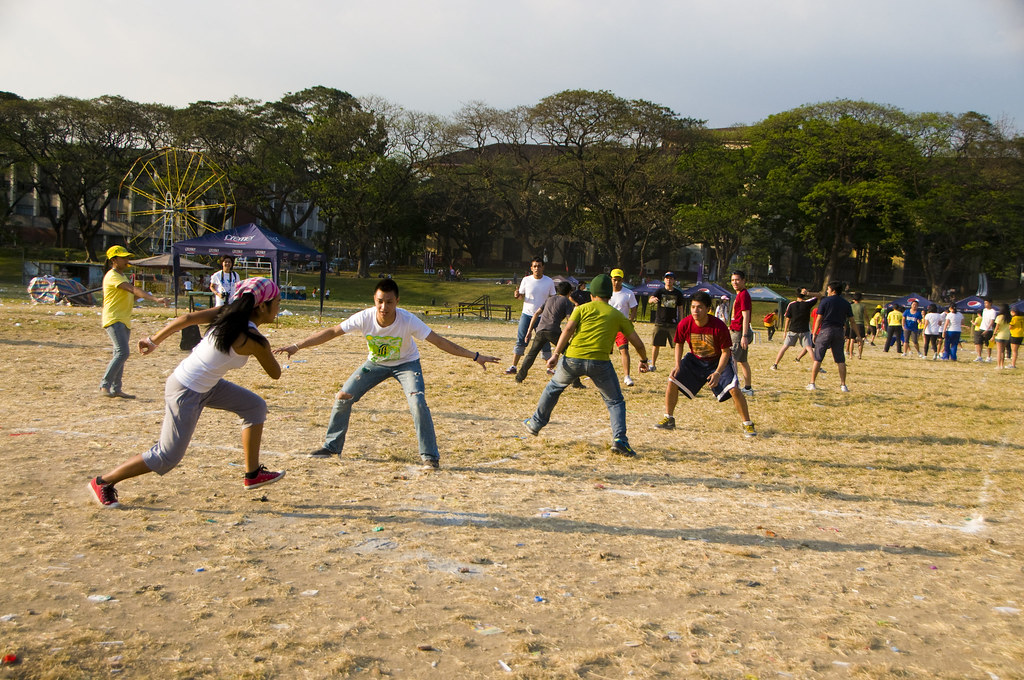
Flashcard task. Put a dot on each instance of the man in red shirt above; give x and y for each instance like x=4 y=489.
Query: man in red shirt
x=708 y=361
x=742 y=333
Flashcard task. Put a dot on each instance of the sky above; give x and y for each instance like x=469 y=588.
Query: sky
x=722 y=61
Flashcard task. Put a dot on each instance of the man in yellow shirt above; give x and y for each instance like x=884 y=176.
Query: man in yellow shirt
x=118 y=299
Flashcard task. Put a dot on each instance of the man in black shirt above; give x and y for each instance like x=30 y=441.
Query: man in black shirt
x=666 y=302
x=798 y=325
x=834 y=314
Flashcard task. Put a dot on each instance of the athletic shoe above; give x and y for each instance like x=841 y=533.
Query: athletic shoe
x=747 y=391
x=652 y=368
x=749 y=431
x=104 y=494
x=920 y=356
x=529 y=428
x=844 y=388
x=810 y=387
x=262 y=478
x=666 y=423
x=988 y=360
x=622 y=447
x=628 y=381
x=978 y=360
x=118 y=395
x=322 y=452
x=775 y=367
x=577 y=385
x=430 y=463
x=822 y=370
x=511 y=370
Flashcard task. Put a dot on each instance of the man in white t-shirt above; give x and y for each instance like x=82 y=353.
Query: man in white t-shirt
x=623 y=300
x=391 y=335
x=988 y=327
x=533 y=291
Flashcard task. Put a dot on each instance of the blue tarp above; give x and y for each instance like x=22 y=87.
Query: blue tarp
x=972 y=304
x=712 y=289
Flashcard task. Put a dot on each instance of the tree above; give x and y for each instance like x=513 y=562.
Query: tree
x=834 y=174
x=615 y=167
x=969 y=196
x=79 y=150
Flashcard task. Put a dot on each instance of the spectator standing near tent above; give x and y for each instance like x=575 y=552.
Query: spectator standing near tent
x=709 y=362
x=1001 y=334
x=987 y=327
x=1016 y=335
x=533 y=290
x=198 y=382
x=932 y=331
x=951 y=331
x=797 y=327
x=623 y=300
x=857 y=328
x=894 y=330
x=118 y=301
x=742 y=332
x=666 y=302
x=834 y=313
x=877 y=322
x=912 y=328
x=769 y=320
x=391 y=335
x=222 y=283
x=586 y=342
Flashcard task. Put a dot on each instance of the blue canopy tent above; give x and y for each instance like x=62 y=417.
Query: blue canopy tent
x=249 y=240
x=713 y=289
x=766 y=294
x=972 y=304
x=905 y=301
x=1017 y=306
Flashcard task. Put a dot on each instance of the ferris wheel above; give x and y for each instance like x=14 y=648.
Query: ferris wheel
x=174 y=194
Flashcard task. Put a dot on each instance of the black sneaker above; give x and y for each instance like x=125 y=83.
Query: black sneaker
x=623 y=448
x=322 y=452
x=666 y=423
x=104 y=494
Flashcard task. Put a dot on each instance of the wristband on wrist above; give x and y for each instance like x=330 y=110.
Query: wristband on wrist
x=477 y=356
x=643 y=361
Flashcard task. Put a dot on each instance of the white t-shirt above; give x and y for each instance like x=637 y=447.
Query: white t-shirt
x=389 y=345
x=226 y=285
x=206 y=365
x=933 y=323
x=956 y=322
x=624 y=300
x=535 y=292
x=988 y=319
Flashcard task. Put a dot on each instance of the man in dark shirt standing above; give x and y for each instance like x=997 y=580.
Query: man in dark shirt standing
x=834 y=313
x=798 y=326
x=667 y=302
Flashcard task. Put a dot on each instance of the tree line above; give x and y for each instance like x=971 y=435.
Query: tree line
x=580 y=168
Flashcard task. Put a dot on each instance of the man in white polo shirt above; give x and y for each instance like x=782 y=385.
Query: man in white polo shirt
x=533 y=291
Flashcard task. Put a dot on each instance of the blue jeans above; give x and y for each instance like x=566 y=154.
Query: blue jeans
x=605 y=380
x=952 y=344
x=410 y=376
x=119 y=336
x=520 y=348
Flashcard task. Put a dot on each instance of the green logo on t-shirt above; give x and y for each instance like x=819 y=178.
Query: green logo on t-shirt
x=384 y=347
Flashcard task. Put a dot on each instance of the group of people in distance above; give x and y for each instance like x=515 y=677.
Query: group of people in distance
x=944 y=330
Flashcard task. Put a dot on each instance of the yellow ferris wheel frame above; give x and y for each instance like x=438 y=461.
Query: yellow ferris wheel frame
x=182 y=187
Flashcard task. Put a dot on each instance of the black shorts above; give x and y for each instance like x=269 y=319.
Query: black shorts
x=692 y=374
x=832 y=338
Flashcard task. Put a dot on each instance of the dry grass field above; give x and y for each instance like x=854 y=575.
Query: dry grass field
x=873 y=534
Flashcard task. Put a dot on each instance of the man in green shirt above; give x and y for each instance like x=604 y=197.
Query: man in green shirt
x=587 y=342
x=857 y=329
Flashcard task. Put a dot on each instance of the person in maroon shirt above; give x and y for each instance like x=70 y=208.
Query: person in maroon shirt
x=742 y=334
x=709 y=361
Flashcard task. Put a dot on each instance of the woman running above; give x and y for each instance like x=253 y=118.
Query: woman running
x=198 y=382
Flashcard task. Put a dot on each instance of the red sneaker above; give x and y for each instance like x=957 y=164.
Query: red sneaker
x=105 y=494
x=262 y=478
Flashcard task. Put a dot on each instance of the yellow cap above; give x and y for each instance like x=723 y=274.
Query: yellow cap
x=617 y=273
x=117 y=251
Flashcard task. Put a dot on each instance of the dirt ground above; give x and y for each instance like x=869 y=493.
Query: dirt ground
x=870 y=535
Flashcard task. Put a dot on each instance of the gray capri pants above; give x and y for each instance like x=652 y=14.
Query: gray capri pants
x=181 y=414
